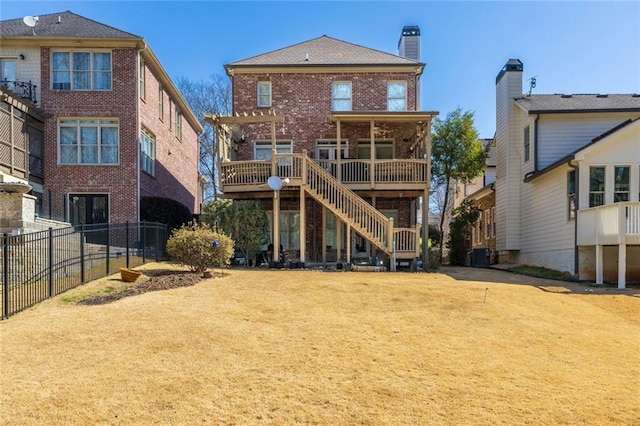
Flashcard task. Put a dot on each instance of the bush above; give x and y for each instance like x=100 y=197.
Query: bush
x=164 y=210
x=199 y=247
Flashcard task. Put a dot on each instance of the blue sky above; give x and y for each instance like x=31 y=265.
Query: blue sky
x=569 y=46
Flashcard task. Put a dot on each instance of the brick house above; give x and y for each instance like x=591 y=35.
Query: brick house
x=481 y=193
x=115 y=127
x=338 y=126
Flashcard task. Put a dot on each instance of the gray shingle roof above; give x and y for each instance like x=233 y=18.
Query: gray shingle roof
x=69 y=25
x=325 y=51
x=580 y=103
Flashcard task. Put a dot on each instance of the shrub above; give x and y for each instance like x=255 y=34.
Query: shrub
x=199 y=247
x=164 y=210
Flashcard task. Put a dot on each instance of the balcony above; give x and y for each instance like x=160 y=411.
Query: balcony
x=23 y=89
x=357 y=175
x=611 y=224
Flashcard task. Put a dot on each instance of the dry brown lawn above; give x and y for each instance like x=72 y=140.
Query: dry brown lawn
x=341 y=348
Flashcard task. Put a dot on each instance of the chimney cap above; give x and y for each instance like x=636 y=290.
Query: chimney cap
x=511 y=65
x=411 y=30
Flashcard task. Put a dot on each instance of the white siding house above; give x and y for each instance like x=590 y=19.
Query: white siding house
x=560 y=153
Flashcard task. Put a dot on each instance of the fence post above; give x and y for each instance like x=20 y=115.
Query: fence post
x=157 y=226
x=82 y=266
x=5 y=275
x=51 y=262
x=143 y=226
x=127 y=243
x=108 y=248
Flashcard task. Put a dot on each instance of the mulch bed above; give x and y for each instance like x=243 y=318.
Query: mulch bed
x=161 y=281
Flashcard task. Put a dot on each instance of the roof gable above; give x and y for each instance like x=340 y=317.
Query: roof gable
x=559 y=103
x=63 y=24
x=324 y=50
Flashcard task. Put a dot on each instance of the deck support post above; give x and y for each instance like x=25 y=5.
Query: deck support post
x=622 y=266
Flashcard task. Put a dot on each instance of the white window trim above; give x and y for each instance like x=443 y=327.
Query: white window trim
x=91 y=71
x=152 y=138
x=349 y=83
x=604 y=191
x=268 y=84
x=78 y=153
x=405 y=98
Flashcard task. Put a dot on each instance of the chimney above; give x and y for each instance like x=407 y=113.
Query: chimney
x=508 y=140
x=409 y=43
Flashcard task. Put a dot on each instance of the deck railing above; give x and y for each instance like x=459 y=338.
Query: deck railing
x=322 y=183
x=241 y=173
x=365 y=218
x=611 y=224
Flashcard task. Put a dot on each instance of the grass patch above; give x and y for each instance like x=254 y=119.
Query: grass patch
x=540 y=272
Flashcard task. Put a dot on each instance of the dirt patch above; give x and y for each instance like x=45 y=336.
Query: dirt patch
x=163 y=280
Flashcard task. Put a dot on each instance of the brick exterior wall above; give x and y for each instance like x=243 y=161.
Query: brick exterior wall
x=177 y=159
x=176 y=176
x=305 y=101
x=485 y=204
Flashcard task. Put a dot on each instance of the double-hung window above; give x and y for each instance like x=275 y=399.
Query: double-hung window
x=160 y=103
x=178 y=126
x=88 y=141
x=341 y=96
x=141 y=79
x=397 y=96
x=621 y=181
x=596 y=186
x=148 y=153
x=81 y=71
x=264 y=93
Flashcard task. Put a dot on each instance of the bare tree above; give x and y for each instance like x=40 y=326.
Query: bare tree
x=208 y=96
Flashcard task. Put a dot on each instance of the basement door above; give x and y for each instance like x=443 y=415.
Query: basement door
x=90 y=209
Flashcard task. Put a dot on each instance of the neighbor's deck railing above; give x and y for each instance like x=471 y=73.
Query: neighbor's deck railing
x=611 y=224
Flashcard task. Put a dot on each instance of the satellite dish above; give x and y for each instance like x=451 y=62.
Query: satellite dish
x=274 y=183
x=30 y=21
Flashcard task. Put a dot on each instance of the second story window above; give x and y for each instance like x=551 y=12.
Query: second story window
x=148 y=153
x=341 y=96
x=81 y=71
x=264 y=93
x=178 y=126
x=596 y=186
x=397 y=96
x=141 y=77
x=161 y=103
x=527 y=144
x=621 y=183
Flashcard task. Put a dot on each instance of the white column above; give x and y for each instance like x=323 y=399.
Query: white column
x=599 y=273
x=622 y=266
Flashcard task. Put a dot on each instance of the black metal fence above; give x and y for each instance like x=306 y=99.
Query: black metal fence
x=40 y=265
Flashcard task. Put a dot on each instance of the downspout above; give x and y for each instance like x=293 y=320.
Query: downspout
x=535 y=143
x=139 y=130
x=575 y=222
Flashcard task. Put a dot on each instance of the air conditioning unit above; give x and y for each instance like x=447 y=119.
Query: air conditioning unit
x=480 y=257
